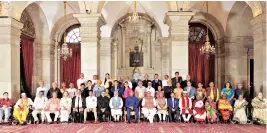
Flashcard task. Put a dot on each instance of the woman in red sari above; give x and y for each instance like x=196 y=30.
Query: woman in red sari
x=199 y=110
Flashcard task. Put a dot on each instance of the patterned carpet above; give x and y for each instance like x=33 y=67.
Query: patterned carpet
x=134 y=128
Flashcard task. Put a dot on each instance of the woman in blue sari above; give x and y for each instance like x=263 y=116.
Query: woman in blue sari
x=229 y=92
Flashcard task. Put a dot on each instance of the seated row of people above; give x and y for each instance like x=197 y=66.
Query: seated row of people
x=150 y=106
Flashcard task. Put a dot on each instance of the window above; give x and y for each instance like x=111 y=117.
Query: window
x=73 y=35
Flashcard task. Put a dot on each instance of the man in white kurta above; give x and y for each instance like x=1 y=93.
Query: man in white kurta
x=150 y=89
x=81 y=80
x=115 y=105
x=65 y=107
x=39 y=107
x=185 y=105
x=149 y=107
x=91 y=103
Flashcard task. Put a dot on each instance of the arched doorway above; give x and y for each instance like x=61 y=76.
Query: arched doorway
x=70 y=69
x=201 y=69
x=26 y=53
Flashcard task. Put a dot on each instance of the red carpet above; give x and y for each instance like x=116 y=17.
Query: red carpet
x=133 y=128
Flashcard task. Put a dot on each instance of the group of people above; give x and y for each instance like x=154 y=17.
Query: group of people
x=173 y=98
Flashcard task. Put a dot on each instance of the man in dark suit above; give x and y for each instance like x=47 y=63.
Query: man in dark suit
x=173 y=105
x=118 y=88
x=176 y=79
x=78 y=104
x=146 y=80
x=168 y=89
x=156 y=82
x=89 y=87
x=188 y=78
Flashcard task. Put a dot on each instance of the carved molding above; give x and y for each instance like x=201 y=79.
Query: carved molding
x=28 y=26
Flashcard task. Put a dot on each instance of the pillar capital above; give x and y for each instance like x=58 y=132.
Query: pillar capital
x=90 y=20
x=179 y=18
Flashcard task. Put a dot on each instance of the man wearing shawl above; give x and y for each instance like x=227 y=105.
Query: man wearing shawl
x=21 y=108
x=185 y=104
x=52 y=106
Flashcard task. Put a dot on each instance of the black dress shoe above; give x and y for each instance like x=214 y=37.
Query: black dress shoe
x=128 y=122
x=136 y=121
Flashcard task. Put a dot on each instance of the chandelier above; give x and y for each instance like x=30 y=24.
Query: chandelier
x=135 y=16
x=207 y=49
x=65 y=52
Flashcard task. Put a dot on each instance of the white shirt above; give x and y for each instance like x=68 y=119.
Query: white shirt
x=80 y=81
x=144 y=101
x=80 y=102
x=116 y=98
x=140 y=91
x=41 y=89
x=91 y=102
x=151 y=89
x=71 y=92
x=165 y=82
x=129 y=83
x=94 y=81
x=39 y=103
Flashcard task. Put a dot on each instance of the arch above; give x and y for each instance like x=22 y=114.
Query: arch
x=125 y=18
x=240 y=14
x=214 y=25
x=61 y=26
x=40 y=22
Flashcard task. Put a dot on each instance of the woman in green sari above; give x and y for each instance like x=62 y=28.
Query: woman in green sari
x=210 y=107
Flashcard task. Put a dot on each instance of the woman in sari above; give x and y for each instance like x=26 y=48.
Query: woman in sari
x=65 y=107
x=240 y=110
x=225 y=108
x=201 y=91
x=211 y=111
x=259 y=109
x=229 y=92
x=199 y=110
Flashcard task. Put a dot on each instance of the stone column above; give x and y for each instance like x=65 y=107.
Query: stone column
x=236 y=59
x=165 y=56
x=10 y=30
x=90 y=42
x=105 y=56
x=259 y=35
x=43 y=63
x=219 y=63
x=178 y=36
x=115 y=59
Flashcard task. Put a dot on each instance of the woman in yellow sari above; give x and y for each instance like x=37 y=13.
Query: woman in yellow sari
x=21 y=108
x=225 y=108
